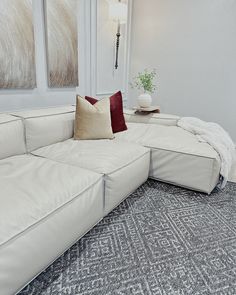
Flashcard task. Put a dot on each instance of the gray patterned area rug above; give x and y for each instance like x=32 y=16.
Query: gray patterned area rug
x=162 y=240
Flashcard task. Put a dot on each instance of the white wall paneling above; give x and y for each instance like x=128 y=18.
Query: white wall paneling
x=94 y=35
x=96 y=48
x=105 y=78
x=126 y=77
x=41 y=96
x=84 y=47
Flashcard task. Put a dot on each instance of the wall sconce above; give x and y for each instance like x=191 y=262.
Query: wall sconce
x=118 y=13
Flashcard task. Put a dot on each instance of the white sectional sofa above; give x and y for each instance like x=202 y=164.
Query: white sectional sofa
x=53 y=189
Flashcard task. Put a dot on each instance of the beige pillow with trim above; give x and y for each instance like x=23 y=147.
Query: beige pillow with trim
x=93 y=121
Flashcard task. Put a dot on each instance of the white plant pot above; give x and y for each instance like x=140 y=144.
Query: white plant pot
x=144 y=100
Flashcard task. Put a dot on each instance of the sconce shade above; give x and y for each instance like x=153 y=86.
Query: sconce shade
x=118 y=12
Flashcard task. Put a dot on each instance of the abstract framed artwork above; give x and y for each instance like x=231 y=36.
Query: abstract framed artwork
x=61 y=42
x=17 y=51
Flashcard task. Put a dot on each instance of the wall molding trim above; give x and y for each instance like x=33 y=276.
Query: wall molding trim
x=125 y=59
x=128 y=51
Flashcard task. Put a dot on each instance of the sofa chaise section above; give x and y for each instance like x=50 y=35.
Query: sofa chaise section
x=45 y=208
x=177 y=156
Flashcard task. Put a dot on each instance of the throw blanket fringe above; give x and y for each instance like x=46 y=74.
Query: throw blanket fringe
x=217 y=137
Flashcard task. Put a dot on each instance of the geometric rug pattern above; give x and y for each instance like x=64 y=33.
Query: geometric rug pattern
x=162 y=240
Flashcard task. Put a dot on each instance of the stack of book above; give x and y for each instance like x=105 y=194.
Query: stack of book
x=148 y=110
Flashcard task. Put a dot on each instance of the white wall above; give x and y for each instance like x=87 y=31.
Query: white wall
x=192 y=43
x=97 y=77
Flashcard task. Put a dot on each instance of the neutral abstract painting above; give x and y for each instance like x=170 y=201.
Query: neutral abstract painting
x=17 y=59
x=62 y=52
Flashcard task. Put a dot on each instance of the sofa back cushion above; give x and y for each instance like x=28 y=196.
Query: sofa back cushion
x=47 y=126
x=12 y=141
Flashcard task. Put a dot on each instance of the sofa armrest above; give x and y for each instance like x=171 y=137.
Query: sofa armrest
x=153 y=118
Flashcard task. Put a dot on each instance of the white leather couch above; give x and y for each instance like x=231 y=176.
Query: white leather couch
x=54 y=189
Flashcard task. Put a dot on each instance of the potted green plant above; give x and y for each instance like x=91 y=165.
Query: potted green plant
x=145 y=81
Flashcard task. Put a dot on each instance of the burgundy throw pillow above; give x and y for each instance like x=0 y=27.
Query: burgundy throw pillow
x=117 y=116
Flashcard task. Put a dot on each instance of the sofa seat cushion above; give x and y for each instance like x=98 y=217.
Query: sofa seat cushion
x=32 y=188
x=45 y=207
x=176 y=155
x=166 y=137
x=124 y=165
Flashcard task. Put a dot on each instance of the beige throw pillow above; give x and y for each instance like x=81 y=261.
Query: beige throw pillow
x=93 y=121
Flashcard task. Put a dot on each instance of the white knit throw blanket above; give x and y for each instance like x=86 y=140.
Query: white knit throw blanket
x=217 y=137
